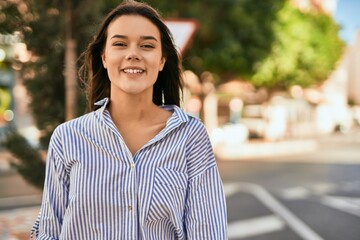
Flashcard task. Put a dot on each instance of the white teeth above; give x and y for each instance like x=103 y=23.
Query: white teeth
x=133 y=70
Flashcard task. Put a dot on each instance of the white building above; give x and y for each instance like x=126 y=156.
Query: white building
x=353 y=69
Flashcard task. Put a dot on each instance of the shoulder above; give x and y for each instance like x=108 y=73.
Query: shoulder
x=189 y=120
x=196 y=127
x=88 y=120
x=193 y=126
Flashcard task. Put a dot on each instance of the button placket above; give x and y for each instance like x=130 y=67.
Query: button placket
x=131 y=207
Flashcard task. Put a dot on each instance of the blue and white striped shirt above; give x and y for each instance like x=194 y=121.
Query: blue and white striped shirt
x=96 y=189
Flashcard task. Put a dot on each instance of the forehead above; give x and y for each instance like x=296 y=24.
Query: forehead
x=133 y=25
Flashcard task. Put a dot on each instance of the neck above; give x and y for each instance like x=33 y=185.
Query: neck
x=131 y=107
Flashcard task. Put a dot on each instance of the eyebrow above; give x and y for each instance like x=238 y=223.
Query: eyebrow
x=142 y=37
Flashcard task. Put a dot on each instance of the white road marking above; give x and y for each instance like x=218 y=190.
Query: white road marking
x=345 y=204
x=255 y=227
x=268 y=200
x=230 y=189
x=295 y=193
x=323 y=188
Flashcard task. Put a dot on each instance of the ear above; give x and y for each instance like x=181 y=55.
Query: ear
x=103 y=60
x=162 y=63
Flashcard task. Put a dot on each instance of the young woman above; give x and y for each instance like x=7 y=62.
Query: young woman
x=136 y=166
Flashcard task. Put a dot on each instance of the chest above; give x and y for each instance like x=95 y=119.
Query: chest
x=105 y=178
x=136 y=137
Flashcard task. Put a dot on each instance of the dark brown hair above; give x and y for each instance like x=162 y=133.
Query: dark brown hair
x=95 y=77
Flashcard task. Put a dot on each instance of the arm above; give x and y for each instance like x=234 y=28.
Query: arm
x=205 y=211
x=55 y=196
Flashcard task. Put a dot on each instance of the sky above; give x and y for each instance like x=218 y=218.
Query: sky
x=347 y=15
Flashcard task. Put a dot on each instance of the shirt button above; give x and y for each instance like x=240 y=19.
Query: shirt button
x=132 y=165
x=130 y=208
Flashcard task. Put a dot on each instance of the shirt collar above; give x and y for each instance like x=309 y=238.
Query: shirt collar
x=178 y=118
x=102 y=103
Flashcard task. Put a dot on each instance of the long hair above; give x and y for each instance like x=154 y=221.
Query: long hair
x=95 y=77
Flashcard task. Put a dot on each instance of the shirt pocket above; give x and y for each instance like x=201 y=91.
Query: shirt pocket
x=168 y=196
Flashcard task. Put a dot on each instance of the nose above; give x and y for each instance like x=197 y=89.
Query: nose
x=133 y=55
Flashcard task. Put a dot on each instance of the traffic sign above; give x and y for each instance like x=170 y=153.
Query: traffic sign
x=183 y=31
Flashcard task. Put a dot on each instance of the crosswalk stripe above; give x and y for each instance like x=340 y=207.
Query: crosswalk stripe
x=230 y=189
x=294 y=193
x=345 y=204
x=276 y=207
x=255 y=227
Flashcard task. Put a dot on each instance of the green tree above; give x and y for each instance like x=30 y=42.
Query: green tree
x=30 y=165
x=42 y=26
x=305 y=50
x=41 y=23
x=233 y=35
x=269 y=43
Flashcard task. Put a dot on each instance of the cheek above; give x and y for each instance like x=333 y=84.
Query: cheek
x=111 y=58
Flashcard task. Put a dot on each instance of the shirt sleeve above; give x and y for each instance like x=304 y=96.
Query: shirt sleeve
x=55 y=197
x=205 y=210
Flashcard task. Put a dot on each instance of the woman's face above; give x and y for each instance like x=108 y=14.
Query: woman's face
x=133 y=55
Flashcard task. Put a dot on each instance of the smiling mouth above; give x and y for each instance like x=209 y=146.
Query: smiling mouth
x=133 y=71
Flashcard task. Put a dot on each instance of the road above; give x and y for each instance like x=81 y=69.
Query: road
x=311 y=196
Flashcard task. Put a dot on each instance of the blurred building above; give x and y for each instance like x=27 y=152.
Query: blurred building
x=326 y=6
x=353 y=55
x=14 y=99
x=300 y=112
x=7 y=80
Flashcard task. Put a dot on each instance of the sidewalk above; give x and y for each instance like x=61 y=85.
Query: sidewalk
x=5 y=159
x=16 y=220
x=16 y=224
x=329 y=148
x=264 y=149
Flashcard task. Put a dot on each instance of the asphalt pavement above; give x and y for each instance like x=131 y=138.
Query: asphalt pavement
x=312 y=195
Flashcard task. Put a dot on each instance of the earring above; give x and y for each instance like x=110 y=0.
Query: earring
x=162 y=97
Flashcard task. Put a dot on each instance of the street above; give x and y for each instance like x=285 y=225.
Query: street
x=310 y=196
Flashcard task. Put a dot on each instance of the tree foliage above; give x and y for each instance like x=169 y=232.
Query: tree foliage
x=233 y=35
x=31 y=165
x=269 y=43
x=42 y=25
x=305 y=50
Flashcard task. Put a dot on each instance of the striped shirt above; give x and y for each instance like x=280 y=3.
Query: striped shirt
x=96 y=189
